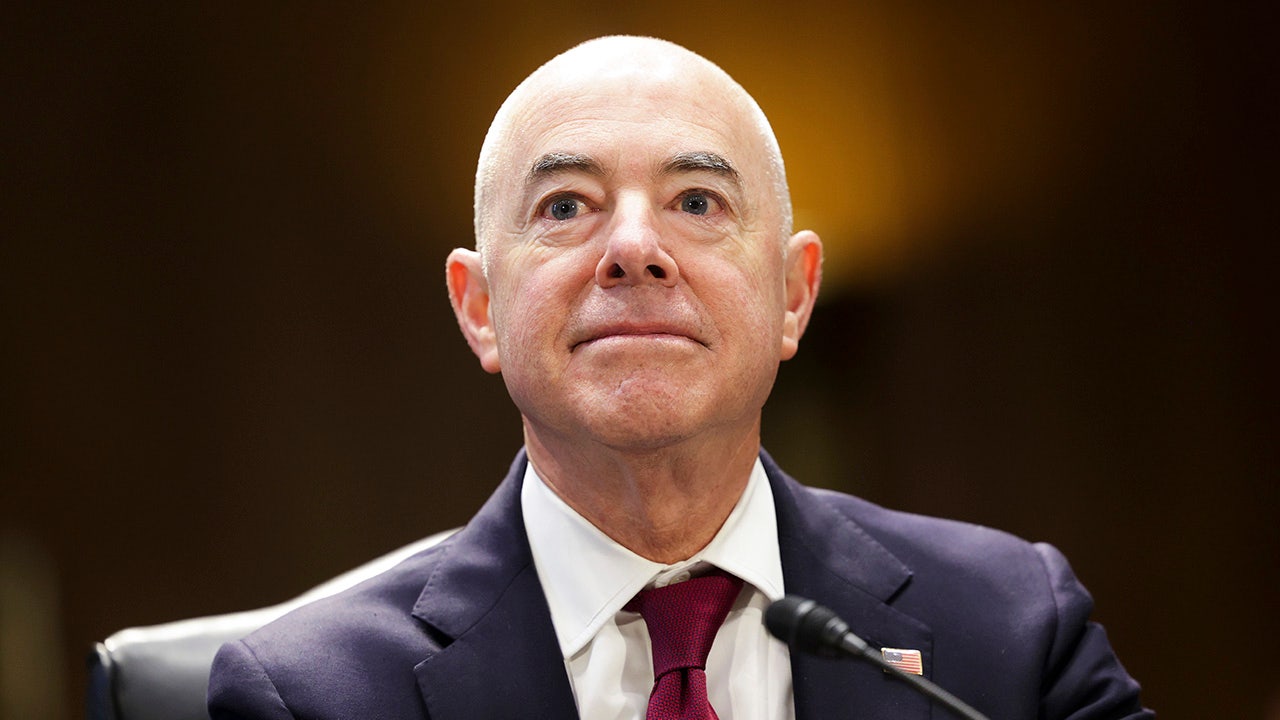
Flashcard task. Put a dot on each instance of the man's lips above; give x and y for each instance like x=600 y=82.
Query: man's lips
x=637 y=331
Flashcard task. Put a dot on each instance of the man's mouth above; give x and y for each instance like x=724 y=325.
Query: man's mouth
x=637 y=331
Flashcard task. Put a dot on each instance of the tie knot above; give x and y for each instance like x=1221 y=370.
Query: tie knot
x=683 y=618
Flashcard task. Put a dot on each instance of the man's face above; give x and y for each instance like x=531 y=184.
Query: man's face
x=635 y=263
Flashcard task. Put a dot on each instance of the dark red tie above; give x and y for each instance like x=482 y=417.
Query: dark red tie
x=683 y=619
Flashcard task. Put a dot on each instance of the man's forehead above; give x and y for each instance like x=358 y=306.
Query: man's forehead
x=577 y=101
x=670 y=124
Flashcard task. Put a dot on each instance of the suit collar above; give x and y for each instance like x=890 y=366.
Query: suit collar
x=484 y=605
x=828 y=557
x=815 y=535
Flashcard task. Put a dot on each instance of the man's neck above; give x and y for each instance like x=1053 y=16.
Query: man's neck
x=663 y=504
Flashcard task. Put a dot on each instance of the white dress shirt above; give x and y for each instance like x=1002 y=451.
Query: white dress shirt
x=588 y=578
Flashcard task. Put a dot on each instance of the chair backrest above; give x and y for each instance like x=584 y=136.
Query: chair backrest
x=161 y=672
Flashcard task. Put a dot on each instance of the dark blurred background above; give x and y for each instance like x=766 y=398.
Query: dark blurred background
x=230 y=370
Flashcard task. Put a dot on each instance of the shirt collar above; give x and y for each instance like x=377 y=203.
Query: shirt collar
x=601 y=576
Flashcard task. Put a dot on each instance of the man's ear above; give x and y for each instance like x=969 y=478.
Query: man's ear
x=803 y=278
x=469 y=295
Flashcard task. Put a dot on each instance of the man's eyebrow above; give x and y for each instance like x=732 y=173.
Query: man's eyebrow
x=702 y=162
x=555 y=163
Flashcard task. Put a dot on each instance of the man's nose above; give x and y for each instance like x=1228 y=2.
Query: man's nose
x=633 y=253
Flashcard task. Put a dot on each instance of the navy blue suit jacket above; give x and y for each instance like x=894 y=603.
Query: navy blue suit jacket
x=462 y=630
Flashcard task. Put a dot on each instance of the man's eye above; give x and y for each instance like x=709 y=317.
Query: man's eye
x=696 y=203
x=564 y=208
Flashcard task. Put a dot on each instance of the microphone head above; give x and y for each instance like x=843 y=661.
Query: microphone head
x=805 y=625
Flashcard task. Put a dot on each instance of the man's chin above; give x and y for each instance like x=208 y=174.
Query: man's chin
x=641 y=426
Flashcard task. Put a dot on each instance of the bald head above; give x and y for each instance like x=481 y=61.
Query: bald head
x=635 y=65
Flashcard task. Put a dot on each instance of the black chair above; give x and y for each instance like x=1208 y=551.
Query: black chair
x=161 y=672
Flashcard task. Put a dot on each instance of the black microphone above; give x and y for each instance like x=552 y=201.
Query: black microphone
x=809 y=627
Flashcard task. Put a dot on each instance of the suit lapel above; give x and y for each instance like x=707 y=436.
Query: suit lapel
x=484 y=605
x=828 y=558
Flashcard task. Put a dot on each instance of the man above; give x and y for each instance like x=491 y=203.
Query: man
x=637 y=283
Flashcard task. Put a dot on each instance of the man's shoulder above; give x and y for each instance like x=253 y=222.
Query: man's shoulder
x=380 y=606
x=947 y=553
x=997 y=607
x=355 y=648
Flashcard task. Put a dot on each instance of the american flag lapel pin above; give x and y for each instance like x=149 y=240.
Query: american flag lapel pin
x=905 y=660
